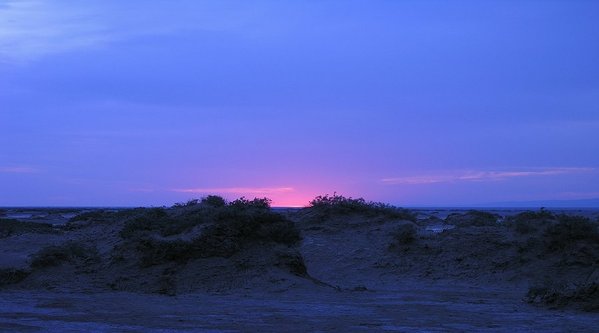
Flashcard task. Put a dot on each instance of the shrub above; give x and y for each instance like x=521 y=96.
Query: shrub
x=294 y=263
x=90 y=216
x=339 y=205
x=283 y=232
x=211 y=201
x=189 y=203
x=570 y=230
x=256 y=203
x=155 y=252
x=12 y=276
x=253 y=225
x=523 y=226
x=472 y=218
x=542 y=214
x=233 y=229
x=528 y=222
x=228 y=228
x=151 y=220
x=405 y=234
x=10 y=227
x=214 y=201
x=585 y=296
x=71 y=252
x=483 y=217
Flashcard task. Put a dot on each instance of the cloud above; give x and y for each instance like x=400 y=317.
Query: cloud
x=17 y=169
x=481 y=176
x=142 y=190
x=237 y=190
x=31 y=29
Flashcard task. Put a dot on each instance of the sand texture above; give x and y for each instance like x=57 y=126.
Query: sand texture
x=207 y=267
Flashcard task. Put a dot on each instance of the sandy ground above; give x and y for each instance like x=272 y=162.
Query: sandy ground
x=356 y=283
x=411 y=308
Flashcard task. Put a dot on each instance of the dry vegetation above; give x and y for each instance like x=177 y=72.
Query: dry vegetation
x=10 y=227
x=323 y=207
x=212 y=244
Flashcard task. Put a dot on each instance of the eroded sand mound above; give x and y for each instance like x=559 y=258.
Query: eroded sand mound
x=198 y=247
x=338 y=244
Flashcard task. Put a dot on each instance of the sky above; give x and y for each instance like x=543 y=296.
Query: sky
x=413 y=103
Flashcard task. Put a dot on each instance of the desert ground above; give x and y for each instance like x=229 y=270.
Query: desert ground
x=340 y=264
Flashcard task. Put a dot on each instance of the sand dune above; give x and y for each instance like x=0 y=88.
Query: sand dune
x=244 y=266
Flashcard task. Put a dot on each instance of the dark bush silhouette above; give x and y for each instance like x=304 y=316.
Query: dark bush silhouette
x=571 y=230
x=405 y=234
x=528 y=222
x=10 y=227
x=94 y=215
x=228 y=228
x=12 y=276
x=256 y=203
x=189 y=203
x=294 y=263
x=223 y=239
x=214 y=201
x=152 y=220
x=584 y=296
x=210 y=200
x=541 y=214
x=158 y=221
x=155 y=252
x=71 y=252
x=472 y=218
x=339 y=205
x=102 y=215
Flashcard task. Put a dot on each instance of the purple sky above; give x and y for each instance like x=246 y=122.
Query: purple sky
x=407 y=102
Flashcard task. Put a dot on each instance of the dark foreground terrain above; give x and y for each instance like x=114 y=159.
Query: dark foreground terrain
x=339 y=265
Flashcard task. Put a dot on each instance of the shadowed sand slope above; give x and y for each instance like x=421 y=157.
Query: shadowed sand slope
x=340 y=264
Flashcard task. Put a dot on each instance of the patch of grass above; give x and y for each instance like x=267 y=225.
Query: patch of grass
x=71 y=252
x=9 y=227
x=339 y=205
x=12 y=276
x=571 y=230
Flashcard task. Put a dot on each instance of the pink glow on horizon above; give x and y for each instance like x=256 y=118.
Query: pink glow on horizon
x=280 y=196
x=237 y=190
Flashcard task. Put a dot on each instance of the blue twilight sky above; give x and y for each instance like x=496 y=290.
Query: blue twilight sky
x=407 y=102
